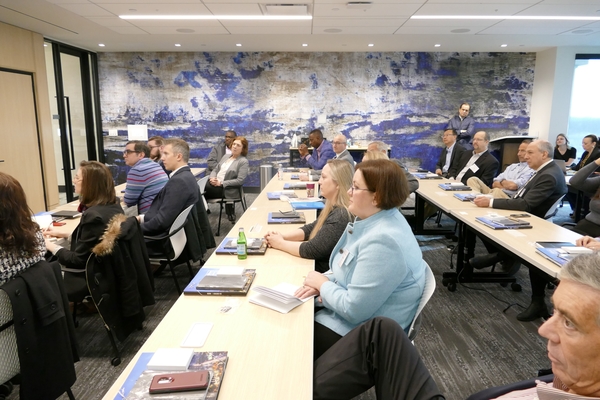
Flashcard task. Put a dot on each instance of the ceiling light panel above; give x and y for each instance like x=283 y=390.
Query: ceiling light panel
x=359 y=21
x=286 y=9
x=198 y=30
x=359 y=30
x=269 y=30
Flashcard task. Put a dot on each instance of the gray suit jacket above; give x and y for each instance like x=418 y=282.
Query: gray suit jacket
x=345 y=155
x=235 y=176
x=539 y=194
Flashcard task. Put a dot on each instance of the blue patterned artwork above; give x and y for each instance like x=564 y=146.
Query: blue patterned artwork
x=403 y=99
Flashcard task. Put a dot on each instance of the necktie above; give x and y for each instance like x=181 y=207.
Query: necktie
x=520 y=191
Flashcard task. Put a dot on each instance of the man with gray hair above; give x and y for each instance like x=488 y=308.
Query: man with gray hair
x=339 y=147
x=413 y=183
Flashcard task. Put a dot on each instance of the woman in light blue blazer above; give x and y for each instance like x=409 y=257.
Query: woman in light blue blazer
x=229 y=175
x=376 y=268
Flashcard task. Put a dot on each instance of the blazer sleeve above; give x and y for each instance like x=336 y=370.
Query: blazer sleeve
x=458 y=164
x=541 y=190
x=490 y=168
x=175 y=199
x=583 y=180
x=88 y=234
x=328 y=154
x=238 y=176
x=212 y=159
x=442 y=159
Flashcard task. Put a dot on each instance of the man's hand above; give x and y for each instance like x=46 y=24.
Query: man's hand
x=303 y=150
x=589 y=242
x=497 y=184
x=482 y=201
x=439 y=172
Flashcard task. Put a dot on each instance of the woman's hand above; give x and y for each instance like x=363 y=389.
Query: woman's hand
x=305 y=291
x=589 y=242
x=50 y=232
x=50 y=245
x=315 y=280
x=214 y=182
x=274 y=239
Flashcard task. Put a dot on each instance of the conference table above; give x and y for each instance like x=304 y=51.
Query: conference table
x=518 y=242
x=270 y=354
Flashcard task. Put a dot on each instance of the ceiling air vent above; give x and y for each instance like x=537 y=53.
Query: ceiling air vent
x=287 y=9
x=359 y=5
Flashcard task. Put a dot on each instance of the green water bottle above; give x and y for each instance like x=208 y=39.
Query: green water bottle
x=242 y=245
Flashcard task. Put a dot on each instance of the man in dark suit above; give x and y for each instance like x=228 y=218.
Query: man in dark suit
x=543 y=190
x=464 y=125
x=480 y=163
x=180 y=192
x=450 y=158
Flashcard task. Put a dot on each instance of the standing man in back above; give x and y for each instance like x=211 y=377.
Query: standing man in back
x=180 y=192
x=219 y=151
x=145 y=179
x=464 y=125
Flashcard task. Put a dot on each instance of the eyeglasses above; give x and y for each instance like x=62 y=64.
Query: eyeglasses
x=127 y=152
x=339 y=142
x=353 y=188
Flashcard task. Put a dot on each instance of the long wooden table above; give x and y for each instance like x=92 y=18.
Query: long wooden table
x=518 y=242
x=270 y=354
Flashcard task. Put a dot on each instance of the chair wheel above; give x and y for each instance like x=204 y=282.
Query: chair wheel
x=452 y=287
x=445 y=281
x=515 y=287
x=115 y=361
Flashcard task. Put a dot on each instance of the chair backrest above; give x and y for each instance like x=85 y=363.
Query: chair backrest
x=427 y=293
x=552 y=210
x=178 y=240
x=9 y=357
x=202 y=183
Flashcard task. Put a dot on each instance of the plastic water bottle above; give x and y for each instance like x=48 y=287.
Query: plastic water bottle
x=242 y=245
x=279 y=172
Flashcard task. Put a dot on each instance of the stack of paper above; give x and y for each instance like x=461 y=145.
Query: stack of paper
x=279 y=298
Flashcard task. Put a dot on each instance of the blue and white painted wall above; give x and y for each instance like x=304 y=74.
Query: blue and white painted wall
x=403 y=99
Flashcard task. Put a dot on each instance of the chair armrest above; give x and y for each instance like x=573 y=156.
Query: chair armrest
x=164 y=235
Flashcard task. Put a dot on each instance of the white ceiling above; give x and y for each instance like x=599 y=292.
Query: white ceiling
x=386 y=24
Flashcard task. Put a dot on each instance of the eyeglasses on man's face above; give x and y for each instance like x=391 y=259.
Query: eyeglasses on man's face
x=127 y=152
x=339 y=142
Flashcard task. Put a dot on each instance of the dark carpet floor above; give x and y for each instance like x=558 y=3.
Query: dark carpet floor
x=467 y=339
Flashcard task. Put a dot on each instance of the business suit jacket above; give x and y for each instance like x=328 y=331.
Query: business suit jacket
x=468 y=125
x=594 y=156
x=215 y=155
x=488 y=168
x=539 y=194
x=235 y=176
x=179 y=193
x=455 y=159
x=345 y=155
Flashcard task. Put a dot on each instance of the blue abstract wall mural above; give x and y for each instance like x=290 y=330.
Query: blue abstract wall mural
x=403 y=99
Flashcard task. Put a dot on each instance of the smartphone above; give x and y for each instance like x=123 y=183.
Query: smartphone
x=519 y=215
x=179 y=382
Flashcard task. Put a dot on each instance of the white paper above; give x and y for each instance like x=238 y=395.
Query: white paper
x=230 y=271
x=113 y=132
x=137 y=132
x=44 y=221
x=171 y=359
x=322 y=118
x=197 y=335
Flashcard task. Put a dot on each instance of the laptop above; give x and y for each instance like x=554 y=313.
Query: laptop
x=562 y=165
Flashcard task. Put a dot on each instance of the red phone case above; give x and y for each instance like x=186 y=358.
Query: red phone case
x=179 y=382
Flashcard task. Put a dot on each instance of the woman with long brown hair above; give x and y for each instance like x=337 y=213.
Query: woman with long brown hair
x=98 y=203
x=21 y=240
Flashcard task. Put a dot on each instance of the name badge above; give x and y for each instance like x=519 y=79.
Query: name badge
x=343 y=257
x=474 y=168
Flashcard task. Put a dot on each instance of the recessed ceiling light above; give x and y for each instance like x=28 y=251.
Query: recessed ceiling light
x=304 y=44
x=437 y=45
x=101 y=44
x=238 y=44
x=503 y=45
x=218 y=17
x=332 y=30
x=177 y=45
x=512 y=17
x=370 y=45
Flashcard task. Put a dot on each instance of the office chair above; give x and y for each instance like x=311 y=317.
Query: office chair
x=228 y=200
x=428 y=290
x=202 y=186
x=554 y=209
x=174 y=246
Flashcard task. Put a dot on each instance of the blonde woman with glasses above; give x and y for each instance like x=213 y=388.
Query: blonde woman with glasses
x=317 y=240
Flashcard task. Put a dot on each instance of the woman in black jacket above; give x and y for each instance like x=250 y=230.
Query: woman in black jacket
x=98 y=203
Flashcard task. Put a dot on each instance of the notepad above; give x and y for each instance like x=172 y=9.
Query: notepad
x=279 y=298
x=171 y=359
x=197 y=335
